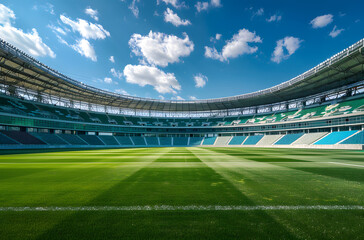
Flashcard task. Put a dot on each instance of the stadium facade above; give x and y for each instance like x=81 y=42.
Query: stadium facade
x=321 y=108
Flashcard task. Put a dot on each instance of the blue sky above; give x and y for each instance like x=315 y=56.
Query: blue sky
x=174 y=49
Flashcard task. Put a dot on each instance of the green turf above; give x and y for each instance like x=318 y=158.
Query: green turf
x=182 y=177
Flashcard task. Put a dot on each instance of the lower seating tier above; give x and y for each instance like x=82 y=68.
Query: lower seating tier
x=334 y=137
x=23 y=137
x=237 y=140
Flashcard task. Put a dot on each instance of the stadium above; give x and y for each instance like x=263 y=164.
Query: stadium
x=43 y=108
x=80 y=162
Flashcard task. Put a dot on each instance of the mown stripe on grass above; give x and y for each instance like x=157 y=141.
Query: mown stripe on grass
x=348 y=164
x=180 y=208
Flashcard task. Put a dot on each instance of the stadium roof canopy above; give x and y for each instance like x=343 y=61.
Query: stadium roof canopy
x=20 y=70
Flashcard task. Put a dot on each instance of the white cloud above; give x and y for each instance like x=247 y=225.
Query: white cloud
x=274 y=18
x=30 y=42
x=6 y=15
x=146 y=75
x=160 y=49
x=200 y=80
x=170 y=16
x=84 y=48
x=121 y=91
x=112 y=59
x=48 y=7
x=134 y=8
x=174 y=3
x=92 y=13
x=107 y=80
x=116 y=73
x=335 y=32
x=57 y=30
x=216 y=3
x=61 y=40
x=179 y=98
x=193 y=98
x=86 y=29
x=238 y=45
x=290 y=44
x=203 y=6
x=259 y=12
x=216 y=38
x=322 y=21
x=161 y=97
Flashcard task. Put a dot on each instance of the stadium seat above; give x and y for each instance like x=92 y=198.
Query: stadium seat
x=124 y=140
x=180 y=141
x=138 y=141
x=23 y=137
x=196 y=141
x=309 y=138
x=289 y=139
x=334 y=137
x=5 y=140
x=269 y=139
x=51 y=139
x=165 y=141
x=91 y=139
x=237 y=140
x=152 y=141
x=253 y=140
x=73 y=139
x=209 y=141
x=108 y=140
x=222 y=141
x=355 y=139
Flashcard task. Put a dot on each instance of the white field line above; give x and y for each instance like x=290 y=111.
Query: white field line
x=179 y=208
x=347 y=164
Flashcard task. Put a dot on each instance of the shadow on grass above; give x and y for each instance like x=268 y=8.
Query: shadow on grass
x=275 y=159
x=49 y=150
x=166 y=186
x=345 y=173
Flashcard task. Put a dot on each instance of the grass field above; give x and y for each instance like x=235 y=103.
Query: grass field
x=182 y=193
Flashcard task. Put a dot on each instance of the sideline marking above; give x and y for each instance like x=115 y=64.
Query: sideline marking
x=348 y=164
x=179 y=208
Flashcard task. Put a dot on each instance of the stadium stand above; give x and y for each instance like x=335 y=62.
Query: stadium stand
x=92 y=139
x=269 y=139
x=138 y=141
x=288 y=139
x=195 y=141
x=73 y=139
x=355 y=139
x=108 y=140
x=222 y=141
x=165 y=141
x=209 y=141
x=30 y=116
x=51 y=139
x=152 y=141
x=237 y=140
x=309 y=138
x=5 y=140
x=23 y=137
x=180 y=141
x=334 y=137
x=253 y=140
x=123 y=140
x=30 y=108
